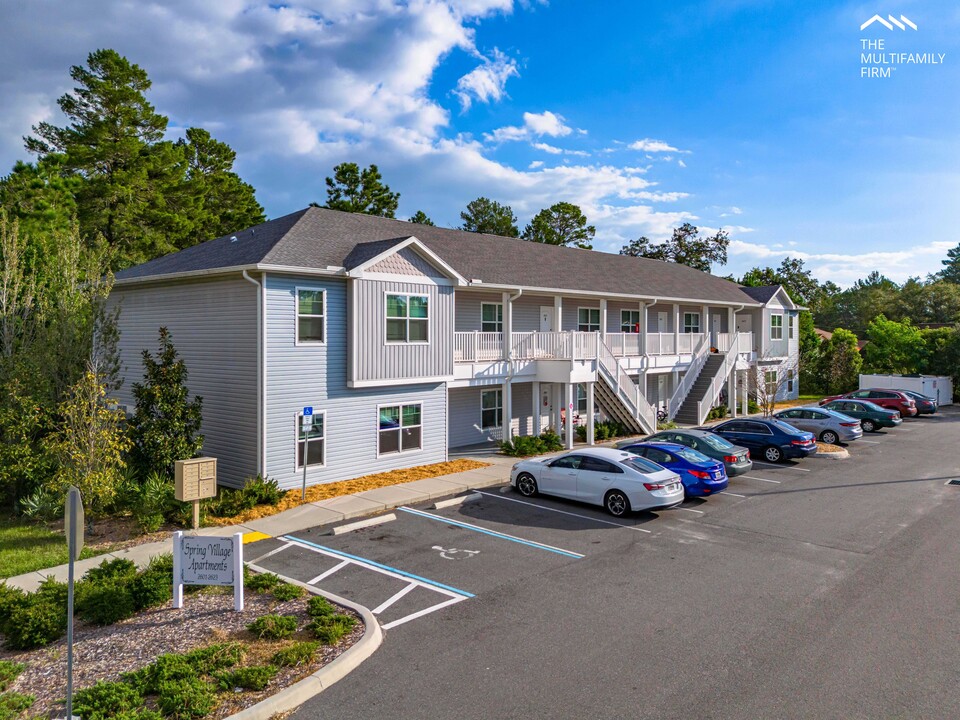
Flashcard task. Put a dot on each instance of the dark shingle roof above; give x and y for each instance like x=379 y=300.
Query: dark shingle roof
x=320 y=238
x=761 y=294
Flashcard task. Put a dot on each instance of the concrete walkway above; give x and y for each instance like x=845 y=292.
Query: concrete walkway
x=323 y=512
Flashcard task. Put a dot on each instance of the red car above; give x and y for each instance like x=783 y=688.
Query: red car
x=884 y=397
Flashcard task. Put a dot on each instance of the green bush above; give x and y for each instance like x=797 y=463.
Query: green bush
x=12 y=704
x=318 y=607
x=155 y=502
x=188 y=697
x=718 y=412
x=331 y=629
x=288 y=591
x=111 y=571
x=173 y=667
x=8 y=673
x=39 y=622
x=10 y=598
x=105 y=603
x=752 y=407
x=233 y=501
x=214 y=657
x=261 y=582
x=139 y=714
x=526 y=445
x=106 y=700
x=151 y=588
x=273 y=627
x=256 y=677
x=298 y=653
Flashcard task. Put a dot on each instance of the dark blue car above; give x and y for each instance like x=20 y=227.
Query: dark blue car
x=699 y=474
x=772 y=440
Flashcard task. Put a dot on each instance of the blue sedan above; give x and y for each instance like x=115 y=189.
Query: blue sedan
x=699 y=474
x=774 y=440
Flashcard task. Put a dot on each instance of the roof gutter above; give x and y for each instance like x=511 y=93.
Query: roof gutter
x=330 y=270
x=261 y=373
x=477 y=284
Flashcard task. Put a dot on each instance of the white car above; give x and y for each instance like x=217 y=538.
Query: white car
x=619 y=481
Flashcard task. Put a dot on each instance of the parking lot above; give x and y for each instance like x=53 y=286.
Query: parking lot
x=792 y=594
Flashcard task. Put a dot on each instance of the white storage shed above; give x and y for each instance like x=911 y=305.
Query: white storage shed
x=939 y=387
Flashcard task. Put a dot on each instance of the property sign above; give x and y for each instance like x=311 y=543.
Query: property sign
x=207 y=560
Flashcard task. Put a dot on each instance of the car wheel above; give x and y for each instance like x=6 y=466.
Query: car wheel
x=616 y=503
x=868 y=425
x=829 y=437
x=526 y=484
x=773 y=454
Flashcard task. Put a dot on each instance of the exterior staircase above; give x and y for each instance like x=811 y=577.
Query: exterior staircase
x=620 y=396
x=687 y=414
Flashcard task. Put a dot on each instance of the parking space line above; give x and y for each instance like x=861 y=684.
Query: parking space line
x=492 y=533
x=699 y=512
x=564 y=512
x=421 y=613
x=869 y=442
x=391 y=600
x=724 y=492
x=378 y=567
x=754 y=477
x=781 y=467
x=272 y=552
x=328 y=573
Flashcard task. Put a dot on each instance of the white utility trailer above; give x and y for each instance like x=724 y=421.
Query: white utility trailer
x=939 y=387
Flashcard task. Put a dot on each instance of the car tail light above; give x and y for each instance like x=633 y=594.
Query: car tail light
x=896 y=416
x=654 y=486
x=853 y=424
x=730 y=458
x=700 y=474
x=747 y=455
x=800 y=442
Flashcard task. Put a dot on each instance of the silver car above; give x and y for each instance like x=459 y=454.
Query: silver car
x=829 y=426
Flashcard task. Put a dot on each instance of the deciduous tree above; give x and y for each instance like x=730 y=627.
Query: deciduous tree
x=561 y=224
x=841 y=362
x=685 y=247
x=895 y=347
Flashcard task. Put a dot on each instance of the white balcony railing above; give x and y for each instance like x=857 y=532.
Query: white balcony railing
x=477 y=346
x=554 y=345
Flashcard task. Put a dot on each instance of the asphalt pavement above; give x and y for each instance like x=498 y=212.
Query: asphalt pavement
x=816 y=589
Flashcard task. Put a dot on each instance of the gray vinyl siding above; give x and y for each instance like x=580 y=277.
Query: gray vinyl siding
x=526 y=312
x=653 y=313
x=376 y=359
x=776 y=348
x=316 y=375
x=464 y=408
x=467 y=317
x=213 y=325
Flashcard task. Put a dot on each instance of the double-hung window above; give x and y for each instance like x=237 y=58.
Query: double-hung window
x=776 y=327
x=770 y=380
x=629 y=321
x=588 y=319
x=491 y=317
x=582 y=399
x=400 y=428
x=793 y=319
x=310 y=319
x=407 y=318
x=790 y=380
x=491 y=408
x=312 y=437
x=691 y=322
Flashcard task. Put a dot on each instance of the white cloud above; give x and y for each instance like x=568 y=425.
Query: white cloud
x=487 y=82
x=681 y=163
x=535 y=164
x=653 y=146
x=534 y=125
x=554 y=150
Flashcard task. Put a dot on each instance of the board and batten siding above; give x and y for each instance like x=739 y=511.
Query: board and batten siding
x=464 y=407
x=376 y=359
x=213 y=325
x=315 y=375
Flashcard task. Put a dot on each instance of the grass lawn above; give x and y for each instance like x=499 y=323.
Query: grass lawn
x=26 y=546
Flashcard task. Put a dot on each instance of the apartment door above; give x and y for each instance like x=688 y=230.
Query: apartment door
x=662 y=390
x=546 y=406
x=715 y=330
x=546 y=318
x=661 y=322
x=745 y=325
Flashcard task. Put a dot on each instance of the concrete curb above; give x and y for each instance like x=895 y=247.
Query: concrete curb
x=842 y=455
x=312 y=685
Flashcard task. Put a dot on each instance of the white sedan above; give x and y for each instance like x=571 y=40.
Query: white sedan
x=619 y=481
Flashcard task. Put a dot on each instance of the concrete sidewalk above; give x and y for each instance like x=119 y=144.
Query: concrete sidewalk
x=312 y=514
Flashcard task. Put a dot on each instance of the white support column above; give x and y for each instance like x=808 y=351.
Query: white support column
x=557 y=314
x=732 y=391
x=731 y=323
x=557 y=404
x=705 y=320
x=506 y=433
x=507 y=326
x=591 y=409
x=643 y=328
x=537 y=410
x=676 y=328
x=603 y=318
x=745 y=392
x=568 y=404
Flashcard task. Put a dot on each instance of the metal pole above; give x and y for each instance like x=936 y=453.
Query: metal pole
x=306 y=448
x=71 y=551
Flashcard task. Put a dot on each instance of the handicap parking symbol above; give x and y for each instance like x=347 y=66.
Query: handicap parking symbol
x=455 y=554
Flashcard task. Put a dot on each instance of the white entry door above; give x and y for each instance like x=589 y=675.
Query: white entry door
x=661 y=322
x=662 y=390
x=715 y=329
x=745 y=325
x=546 y=318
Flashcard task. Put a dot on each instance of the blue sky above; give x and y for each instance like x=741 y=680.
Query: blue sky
x=747 y=115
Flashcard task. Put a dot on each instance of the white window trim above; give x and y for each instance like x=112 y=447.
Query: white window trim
x=589 y=324
x=407 y=295
x=791 y=321
x=296 y=315
x=499 y=407
x=699 y=325
x=780 y=327
x=499 y=315
x=297 y=440
x=401 y=406
x=631 y=324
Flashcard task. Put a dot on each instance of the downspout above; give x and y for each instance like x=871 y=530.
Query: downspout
x=261 y=377
x=508 y=380
x=645 y=367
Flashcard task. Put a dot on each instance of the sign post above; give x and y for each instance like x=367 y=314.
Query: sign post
x=307 y=426
x=194 y=480
x=73 y=527
x=207 y=560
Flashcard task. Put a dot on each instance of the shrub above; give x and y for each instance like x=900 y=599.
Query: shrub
x=151 y=588
x=215 y=657
x=188 y=697
x=13 y=704
x=110 y=571
x=526 y=445
x=10 y=598
x=105 y=603
x=267 y=492
x=8 y=673
x=155 y=502
x=256 y=677
x=288 y=591
x=318 y=607
x=256 y=491
x=41 y=504
x=273 y=627
x=329 y=630
x=37 y=623
x=139 y=714
x=551 y=441
x=752 y=407
x=173 y=667
x=106 y=700
x=298 y=653
x=718 y=412
x=261 y=582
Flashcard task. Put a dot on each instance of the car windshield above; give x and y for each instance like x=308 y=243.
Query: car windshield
x=786 y=427
x=717 y=442
x=693 y=456
x=641 y=464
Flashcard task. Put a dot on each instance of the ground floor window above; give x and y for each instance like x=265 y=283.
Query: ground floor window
x=400 y=428
x=582 y=399
x=790 y=380
x=770 y=380
x=491 y=408
x=310 y=435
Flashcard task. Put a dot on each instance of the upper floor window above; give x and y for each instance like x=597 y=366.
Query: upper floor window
x=407 y=318
x=588 y=319
x=491 y=317
x=776 y=327
x=310 y=318
x=792 y=322
x=691 y=322
x=630 y=321
x=400 y=428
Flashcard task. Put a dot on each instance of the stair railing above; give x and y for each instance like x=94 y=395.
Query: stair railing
x=719 y=378
x=627 y=390
x=700 y=354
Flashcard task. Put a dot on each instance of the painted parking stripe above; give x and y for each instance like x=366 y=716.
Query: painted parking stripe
x=391 y=600
x=272 y=552
x=328 y=573
x=754 y=477
x=724 y=492
x=564 y=512
x=781 y=467
x=699 y=512
x=869 y=442
x=372 y=564
x=421 y=613
x=492 y=533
